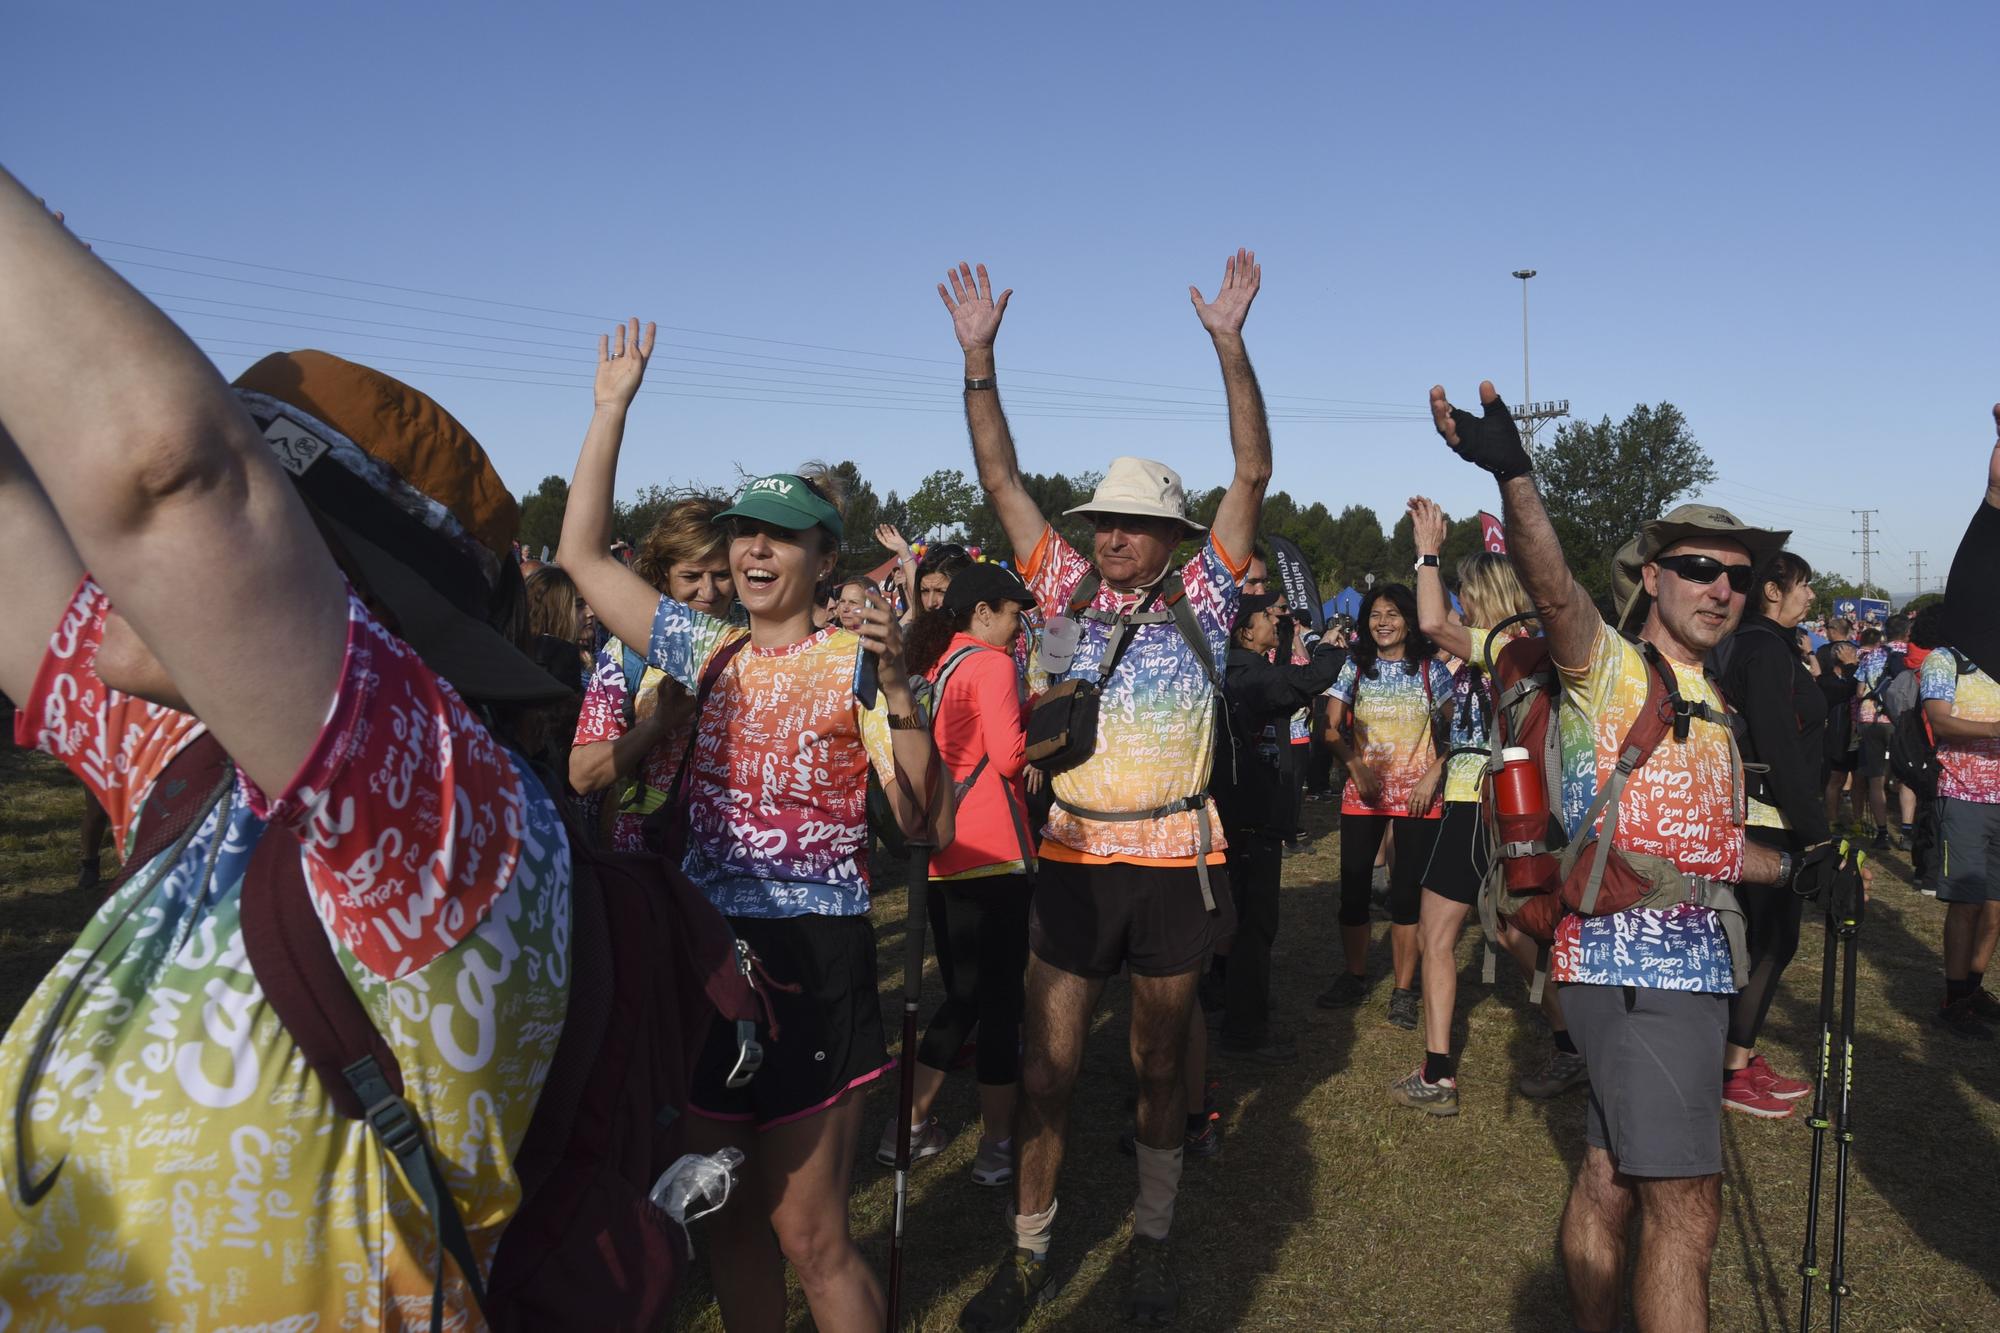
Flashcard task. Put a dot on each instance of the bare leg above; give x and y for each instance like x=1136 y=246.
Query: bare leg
x=996 y=1111
x=1440 y=924
x=1678 y=1221
x=749 y=1269
x=1160 y=1008
x=929 y=1081
x=1522 y=950
x=1961 y=933
x=807 y=1168
x=1194 y=1063
x=1593 y=1240
x=1986 y=935
x=1906 y=804
x=1354 y=941
x=1058 y=1015
x=1405 y=945
x=1878 y=800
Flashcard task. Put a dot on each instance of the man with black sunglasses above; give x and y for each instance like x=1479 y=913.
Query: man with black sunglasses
x=1645 y=991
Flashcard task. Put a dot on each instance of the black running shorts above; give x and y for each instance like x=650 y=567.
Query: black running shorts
x=1458 y=857
x=1091 y=920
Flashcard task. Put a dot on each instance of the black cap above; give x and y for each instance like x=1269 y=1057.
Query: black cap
x=991 y=584
x=1252 y=602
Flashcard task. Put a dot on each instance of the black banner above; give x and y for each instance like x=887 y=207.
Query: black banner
x=1296 y=577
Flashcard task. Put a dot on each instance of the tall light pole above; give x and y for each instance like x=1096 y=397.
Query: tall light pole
x=1527 y=394
x=1530 y=414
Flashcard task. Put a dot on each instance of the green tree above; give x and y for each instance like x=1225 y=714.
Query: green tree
x=542 y=515
x=1918 y=603
x=1357 y=547
x=1601 y=481
x=942 y=505
x=1829 y=588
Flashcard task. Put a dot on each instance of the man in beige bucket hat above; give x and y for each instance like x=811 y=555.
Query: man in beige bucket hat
x=1645 y=991
x=1131 y=867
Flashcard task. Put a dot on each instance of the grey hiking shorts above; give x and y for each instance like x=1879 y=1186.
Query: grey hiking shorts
x=1655 y=1059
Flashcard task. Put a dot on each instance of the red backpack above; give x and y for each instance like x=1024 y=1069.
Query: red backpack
x=651 y=965
x=1537 y=877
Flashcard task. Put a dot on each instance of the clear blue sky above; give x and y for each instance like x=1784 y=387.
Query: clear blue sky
x=1783 y=222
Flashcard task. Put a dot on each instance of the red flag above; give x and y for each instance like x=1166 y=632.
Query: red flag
x=1492 y=535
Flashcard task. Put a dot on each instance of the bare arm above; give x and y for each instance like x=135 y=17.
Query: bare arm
x=39 y=568
x=975 y=318
x=1433 y=604
x=906 y=567
x=599 y=764
x=1568 y=618
x=622 y=600
x=1946 y=727
x=1235 y=527
x=167 y=493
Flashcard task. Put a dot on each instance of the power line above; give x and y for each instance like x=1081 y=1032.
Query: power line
x=1866 y=553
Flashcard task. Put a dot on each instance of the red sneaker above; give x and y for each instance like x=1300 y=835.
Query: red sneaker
x=1743 y=1091
x=1776 y=1084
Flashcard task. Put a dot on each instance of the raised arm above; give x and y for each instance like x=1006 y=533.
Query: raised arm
x=1494 y=443
x=1235 y=526
x=1975 y=627
x=975 y=318
x=39 y=568
x=168 y=494
x=906 y=567
x=1428 y=527
x=622 y=600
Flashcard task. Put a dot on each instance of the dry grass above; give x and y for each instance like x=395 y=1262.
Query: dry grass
x=1331 y=1209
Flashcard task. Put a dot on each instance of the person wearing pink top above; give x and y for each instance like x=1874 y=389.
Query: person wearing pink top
x=980 y=884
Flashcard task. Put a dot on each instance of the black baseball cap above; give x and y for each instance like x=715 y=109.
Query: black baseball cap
x=991 y=584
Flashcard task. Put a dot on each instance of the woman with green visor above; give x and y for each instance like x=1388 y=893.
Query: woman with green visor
x=773 y=797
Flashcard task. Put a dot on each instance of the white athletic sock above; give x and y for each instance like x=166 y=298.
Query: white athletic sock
x=1159 y=1185
x=1034 y=1231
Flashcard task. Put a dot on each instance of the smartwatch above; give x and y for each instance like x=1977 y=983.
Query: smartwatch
x=1426 y=562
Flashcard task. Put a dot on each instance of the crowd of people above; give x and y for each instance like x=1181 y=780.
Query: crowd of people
x=1104 y=752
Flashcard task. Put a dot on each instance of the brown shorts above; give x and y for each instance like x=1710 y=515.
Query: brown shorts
x=1092 y=920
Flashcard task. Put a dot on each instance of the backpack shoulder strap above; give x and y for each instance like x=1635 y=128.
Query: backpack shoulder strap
x=634 y=668
x=1175 y=595
x=295 y=965
x=179 y=797
x=1086 y=592
x=710 y=674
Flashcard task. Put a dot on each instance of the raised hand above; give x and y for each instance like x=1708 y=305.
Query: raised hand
x=975 y=315
x=1993 y=463
x=1224 y=316
x=886 y=534
x=1490 y=440
x=1427 y=525
x=622 y=368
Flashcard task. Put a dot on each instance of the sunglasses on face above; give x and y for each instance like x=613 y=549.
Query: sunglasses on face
x=1706 y=569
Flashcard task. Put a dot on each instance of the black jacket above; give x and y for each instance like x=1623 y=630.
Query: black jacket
x=1259 y=791
x=1785 y=712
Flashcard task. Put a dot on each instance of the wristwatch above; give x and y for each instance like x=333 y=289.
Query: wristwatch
x=975 y=383
x=1785 y=869
x=897 y=722
x=1426 y=562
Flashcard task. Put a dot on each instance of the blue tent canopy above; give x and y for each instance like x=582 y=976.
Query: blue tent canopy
x=1346 y=602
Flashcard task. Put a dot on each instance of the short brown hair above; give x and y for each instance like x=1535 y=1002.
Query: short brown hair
x=686 y=533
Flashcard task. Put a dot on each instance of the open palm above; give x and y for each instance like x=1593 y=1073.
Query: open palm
x=1241 y=277
x=975 y=314
x=621 y=367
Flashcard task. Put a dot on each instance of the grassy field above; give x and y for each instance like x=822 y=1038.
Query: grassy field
x=1329 y=1208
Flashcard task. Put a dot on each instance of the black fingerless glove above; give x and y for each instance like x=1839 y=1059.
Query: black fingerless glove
x=1815 y=870
x=1492 y=441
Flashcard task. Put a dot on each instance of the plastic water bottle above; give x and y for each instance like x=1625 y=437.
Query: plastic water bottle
x=696 y=1186
x=1059 y=640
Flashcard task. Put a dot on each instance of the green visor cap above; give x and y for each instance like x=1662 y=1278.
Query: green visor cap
x=784 y=501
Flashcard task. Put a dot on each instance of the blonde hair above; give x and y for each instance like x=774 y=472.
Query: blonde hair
x=832 y=488
x=1490 y=591
x=685 y=534
x=552 y=603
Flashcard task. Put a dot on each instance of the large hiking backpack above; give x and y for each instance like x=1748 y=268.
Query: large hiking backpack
x=651 y=966
x=1590 y=875
x=1913 y=755
x=1170 y=605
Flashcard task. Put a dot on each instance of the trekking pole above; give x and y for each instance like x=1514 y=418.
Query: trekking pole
x=1809 y=1261
x=906 y=1093
x=1848 y=906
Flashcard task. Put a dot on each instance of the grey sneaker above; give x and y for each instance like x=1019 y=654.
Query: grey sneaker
x=1155 y=1297
x=1563 y=1071
x=995 y=1163
x=926 y=1140
x=1440 y=1098
x=1403 y=1010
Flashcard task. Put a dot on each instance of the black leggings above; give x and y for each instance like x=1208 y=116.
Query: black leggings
x=1360 y=838
x=980 y=934
x=1771 y=917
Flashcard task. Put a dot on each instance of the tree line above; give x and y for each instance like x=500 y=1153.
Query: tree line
x=1600 y=480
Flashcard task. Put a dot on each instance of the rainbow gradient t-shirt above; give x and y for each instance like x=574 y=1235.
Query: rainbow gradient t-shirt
x=1392 y=711
x=1967 y=770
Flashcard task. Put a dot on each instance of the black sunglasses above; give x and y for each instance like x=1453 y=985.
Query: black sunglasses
x=1707 y=569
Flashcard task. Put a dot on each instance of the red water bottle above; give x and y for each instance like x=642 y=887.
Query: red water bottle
x=1521 y=802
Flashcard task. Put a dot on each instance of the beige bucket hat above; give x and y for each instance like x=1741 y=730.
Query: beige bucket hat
x=1628 y=582
x=1141 y=487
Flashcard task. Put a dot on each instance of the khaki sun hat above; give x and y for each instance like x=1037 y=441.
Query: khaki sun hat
x=1142 y=488
x=1628 y=583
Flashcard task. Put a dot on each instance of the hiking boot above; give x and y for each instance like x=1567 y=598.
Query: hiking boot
x=995 y=1163
x=1271 y=1051
x=88 y=874
x=1959 y=1019
x=1403 y=1010
x=1347 y=991
x=1154 y=1296
x=1440 y=1098
x=1207 y=1141
x=1882 y=839
x=1776 y=1084
x=926 y=1140
x=1016 y=1287
x=1743 y=1091
x=1562 y=1071
x=1984 y=1005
